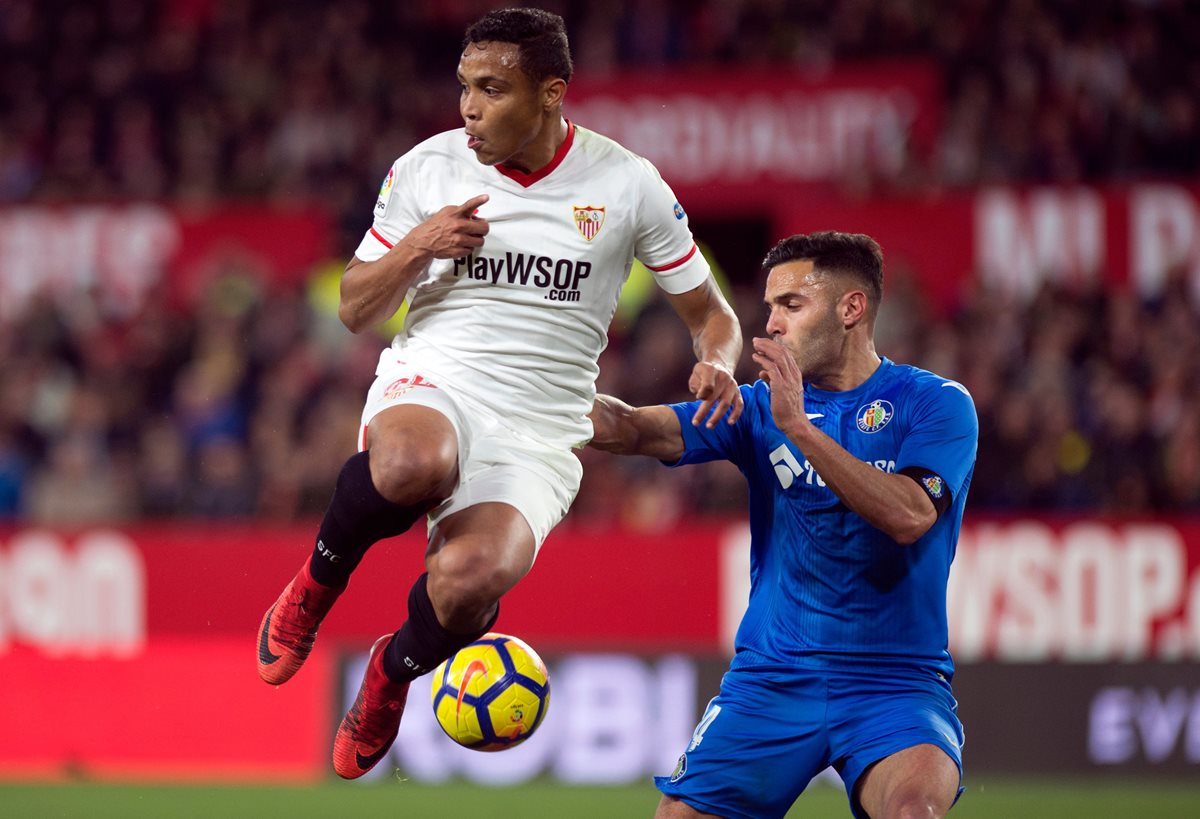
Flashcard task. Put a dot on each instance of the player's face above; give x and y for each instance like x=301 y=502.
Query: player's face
x=500 y=104
x=804 y=316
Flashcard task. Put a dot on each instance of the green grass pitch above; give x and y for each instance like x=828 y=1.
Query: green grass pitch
x=988 y=799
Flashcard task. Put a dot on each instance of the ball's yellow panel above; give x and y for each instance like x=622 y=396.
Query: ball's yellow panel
x=460 y=724
x=514 y=712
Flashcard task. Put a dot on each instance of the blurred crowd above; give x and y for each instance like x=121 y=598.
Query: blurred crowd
x=249 y=404
x=208 y=99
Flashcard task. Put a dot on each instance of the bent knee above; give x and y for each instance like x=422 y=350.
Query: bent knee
x=917 y=803
x=406 y=471
x=464 y=577
x=466 y=584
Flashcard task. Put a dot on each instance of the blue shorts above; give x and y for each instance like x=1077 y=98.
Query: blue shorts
x=771 y=730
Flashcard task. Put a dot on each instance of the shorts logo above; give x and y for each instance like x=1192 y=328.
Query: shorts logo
x=934 y=485
x=680 y=768
x=403 y=385
x=679 y=214
x=588 y=220
x=874 y=416
x=385 y=189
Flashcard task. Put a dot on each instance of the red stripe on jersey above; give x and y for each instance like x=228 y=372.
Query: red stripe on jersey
x=675 y=263
x=379 y=236
x=526 y=179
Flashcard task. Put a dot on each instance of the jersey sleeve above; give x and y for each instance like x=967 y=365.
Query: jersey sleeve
x=664 y=242
x=724 y=442
x=396 y=212
x=943 y=433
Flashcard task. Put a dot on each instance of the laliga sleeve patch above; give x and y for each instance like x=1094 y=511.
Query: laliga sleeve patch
x=933 y=485
x=385 y=192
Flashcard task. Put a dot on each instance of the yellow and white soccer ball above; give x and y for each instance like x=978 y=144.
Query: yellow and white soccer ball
x=491 y=694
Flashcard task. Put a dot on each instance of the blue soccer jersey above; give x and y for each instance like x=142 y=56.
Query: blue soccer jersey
x=826 y=586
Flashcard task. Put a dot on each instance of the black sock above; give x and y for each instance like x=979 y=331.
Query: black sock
x=357 y=517
x=422 y=642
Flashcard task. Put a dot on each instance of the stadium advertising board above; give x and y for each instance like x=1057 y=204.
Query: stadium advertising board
x=1018 y=239
x=1080 y=632
x=716 y=141
x=1128 y=719
x=120 y=252
x=1022 y=590
x=1014 y=238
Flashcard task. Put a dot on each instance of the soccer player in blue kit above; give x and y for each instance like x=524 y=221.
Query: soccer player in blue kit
x=858 y=470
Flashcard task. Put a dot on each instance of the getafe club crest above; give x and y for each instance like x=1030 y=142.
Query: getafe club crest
x=874 y=416
x=588 y=220
x=680 y=768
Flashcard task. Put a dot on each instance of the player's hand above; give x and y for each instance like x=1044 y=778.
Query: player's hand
x=452 y=232
x=780 y=370
x=718 y=392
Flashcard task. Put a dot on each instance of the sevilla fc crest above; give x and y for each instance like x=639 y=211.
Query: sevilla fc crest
x=588 y=220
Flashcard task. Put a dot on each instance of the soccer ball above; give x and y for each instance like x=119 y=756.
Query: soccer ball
x=491 y=694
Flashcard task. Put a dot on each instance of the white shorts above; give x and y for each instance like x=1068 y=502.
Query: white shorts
x=495 y=462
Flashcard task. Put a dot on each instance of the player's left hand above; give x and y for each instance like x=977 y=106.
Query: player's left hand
x=718 y=392
x=780 y=370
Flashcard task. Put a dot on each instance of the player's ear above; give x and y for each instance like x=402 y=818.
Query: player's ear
x=854 y=308
x=553 y=92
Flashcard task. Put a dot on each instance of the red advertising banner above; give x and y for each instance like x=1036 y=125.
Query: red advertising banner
x=174 y=710
x=1022 y=590
x=723 y=136
x=126 y=652
x=1014 y=238
x=1017 y=239
x=121 y=251
x=104 y=591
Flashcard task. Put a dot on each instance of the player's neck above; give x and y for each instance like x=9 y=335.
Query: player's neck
x=858 y=364
x=542 y=150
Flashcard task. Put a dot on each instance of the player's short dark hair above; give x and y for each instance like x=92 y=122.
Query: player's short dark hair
x=540 y=36
x=847 y=254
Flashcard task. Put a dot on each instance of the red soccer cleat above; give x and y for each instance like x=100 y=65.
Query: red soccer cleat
x=289 y=627
x=370 y=726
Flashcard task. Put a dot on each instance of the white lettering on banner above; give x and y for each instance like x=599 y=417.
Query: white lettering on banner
x=613 y=719
x=1126 y=725
x=61 y=251
x=788 y=136
x=1053 y=233
x=1164 y=233
x=1091 y=593
x=87 y=601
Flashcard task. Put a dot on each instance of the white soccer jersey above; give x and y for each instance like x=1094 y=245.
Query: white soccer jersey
x=520 y=323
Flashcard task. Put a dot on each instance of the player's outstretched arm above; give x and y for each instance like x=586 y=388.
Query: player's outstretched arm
x=717 y=341
x=625 y=430
x=372 y=292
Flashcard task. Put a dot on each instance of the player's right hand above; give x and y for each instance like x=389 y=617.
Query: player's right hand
x=452 y=232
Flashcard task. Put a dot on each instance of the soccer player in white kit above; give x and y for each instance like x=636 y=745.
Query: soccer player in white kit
x=512 y=242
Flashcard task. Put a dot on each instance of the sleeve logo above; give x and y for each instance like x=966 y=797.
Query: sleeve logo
x=934 y=485
x=588 y=220
x=384 y=190
x=874 y=416
x=679 y=214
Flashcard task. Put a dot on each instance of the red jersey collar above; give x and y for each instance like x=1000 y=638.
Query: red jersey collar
x=526 y=179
